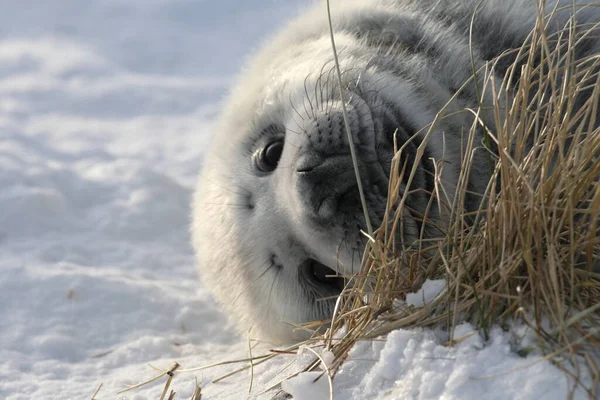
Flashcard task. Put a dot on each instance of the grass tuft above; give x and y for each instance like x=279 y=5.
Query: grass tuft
x=531 y=253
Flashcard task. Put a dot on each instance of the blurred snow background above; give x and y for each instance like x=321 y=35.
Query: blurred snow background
x=106 y=110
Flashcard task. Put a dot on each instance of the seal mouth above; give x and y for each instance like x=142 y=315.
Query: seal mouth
x=324 y=279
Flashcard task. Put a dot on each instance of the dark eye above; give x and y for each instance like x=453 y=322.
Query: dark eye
x=269 y=156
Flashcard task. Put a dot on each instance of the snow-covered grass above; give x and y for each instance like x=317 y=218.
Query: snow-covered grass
x=105 y=111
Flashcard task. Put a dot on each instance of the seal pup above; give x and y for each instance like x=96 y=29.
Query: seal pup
x=276 y=211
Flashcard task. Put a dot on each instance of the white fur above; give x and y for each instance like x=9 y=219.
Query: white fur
x=232 y=242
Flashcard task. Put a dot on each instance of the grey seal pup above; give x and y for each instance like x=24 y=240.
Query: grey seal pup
x=276 y=211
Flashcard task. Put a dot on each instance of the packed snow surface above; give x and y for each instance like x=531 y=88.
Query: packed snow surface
x=106 y=109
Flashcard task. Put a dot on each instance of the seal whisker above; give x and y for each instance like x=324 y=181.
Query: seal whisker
x=271 y=290
x=319 y=86
x=301 y=132
x=307 y=113
x=307 y=98
x=338 y=250
x=291 y=101
x=271 y=265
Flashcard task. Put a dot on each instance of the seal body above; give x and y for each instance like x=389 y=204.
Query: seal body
x=276 y=211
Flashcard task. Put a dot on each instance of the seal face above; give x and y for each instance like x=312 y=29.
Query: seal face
x=277 y=213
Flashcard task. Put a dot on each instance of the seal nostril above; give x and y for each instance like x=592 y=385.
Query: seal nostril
x=304 y=169
x=325 y=185
x=308 y=162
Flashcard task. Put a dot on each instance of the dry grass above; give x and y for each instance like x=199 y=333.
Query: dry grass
x=531 y=254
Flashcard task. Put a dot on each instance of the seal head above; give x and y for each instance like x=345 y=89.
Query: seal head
x=277 y=214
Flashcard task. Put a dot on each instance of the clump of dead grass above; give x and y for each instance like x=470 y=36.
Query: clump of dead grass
x=531 y=253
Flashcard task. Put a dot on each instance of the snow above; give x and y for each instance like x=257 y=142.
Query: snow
x=307 y=386
x=106 y=110
x=414 y=365
x=426 y=294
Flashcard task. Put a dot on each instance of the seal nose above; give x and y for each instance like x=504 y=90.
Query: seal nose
x=325 y=183
x=308 y=162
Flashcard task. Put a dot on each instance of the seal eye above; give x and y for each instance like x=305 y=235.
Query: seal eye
x=270 y=155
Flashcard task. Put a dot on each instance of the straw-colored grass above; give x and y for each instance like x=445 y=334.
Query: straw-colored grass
x=531 y=254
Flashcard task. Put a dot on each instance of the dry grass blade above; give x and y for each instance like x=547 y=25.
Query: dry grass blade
x=171 y=374
x=96 y=392
x=251 y=366
x=242 y=360
x=347 y=127
x=197 y=395
x=139 y=385
x=327 y=371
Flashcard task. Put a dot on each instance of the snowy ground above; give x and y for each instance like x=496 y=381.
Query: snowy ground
x=105 y=112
